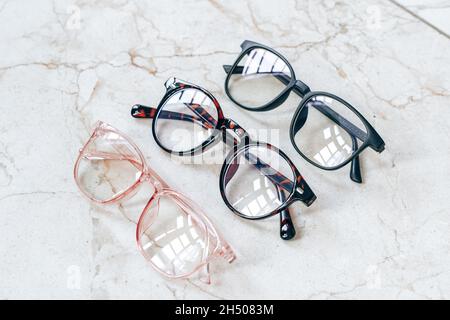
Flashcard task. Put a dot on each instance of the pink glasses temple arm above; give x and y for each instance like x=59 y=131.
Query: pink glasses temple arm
x=99 y=155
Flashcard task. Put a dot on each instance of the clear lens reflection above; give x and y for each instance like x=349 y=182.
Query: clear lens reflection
x=175 y=243
x=336 y=151
x=259 y=200
x=186 y=120
x=109 y=166
x=254 y=81
x=261 y=61
x=327 y=132
x=256 y=181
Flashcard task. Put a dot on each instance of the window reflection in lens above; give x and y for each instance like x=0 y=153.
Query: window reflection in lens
x=186 y=120
x=174 y=242
x=254 y=81
x=327 y=132
x=254 y=180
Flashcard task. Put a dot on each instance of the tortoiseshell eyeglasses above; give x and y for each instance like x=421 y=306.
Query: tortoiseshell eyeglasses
x=257 y=180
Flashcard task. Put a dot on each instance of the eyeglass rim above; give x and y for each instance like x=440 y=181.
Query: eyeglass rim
x=170 y=91
x=206 y=256
x=221 y=249
x=120 y=196
x=372 y=139
x=248 y=46
x=293 y=196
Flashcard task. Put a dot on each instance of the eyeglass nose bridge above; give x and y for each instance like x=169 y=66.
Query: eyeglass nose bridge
x=301 y=88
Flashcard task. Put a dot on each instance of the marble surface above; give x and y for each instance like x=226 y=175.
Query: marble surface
x=434 y=12
x=66 y=64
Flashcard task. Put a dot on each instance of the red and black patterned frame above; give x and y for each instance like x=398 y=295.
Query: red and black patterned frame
x=370 y=139
x=239 y=140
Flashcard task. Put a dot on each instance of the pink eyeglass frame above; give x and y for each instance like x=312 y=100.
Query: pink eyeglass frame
x=222 y=248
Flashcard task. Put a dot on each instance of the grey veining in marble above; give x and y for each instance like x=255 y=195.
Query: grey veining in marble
x=435 y=13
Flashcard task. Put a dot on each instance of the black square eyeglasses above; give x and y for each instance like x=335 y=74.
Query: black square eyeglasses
x=326 y=130
x=257 y=180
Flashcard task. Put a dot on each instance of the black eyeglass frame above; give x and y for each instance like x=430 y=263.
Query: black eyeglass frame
x=373 y=139
x=300 y=191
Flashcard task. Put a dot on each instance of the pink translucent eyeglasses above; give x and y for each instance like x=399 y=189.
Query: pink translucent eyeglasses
x=172 y=233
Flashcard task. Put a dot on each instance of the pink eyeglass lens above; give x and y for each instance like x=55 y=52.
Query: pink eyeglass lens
x=173 y=238
x=108 y=167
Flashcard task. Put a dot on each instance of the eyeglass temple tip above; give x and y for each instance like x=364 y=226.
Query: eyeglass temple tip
x=141 y=111
x=227 y=253
x=287 y=229
x=355 y=171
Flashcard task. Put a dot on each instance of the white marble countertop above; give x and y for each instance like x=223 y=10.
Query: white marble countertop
x=66 y=64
